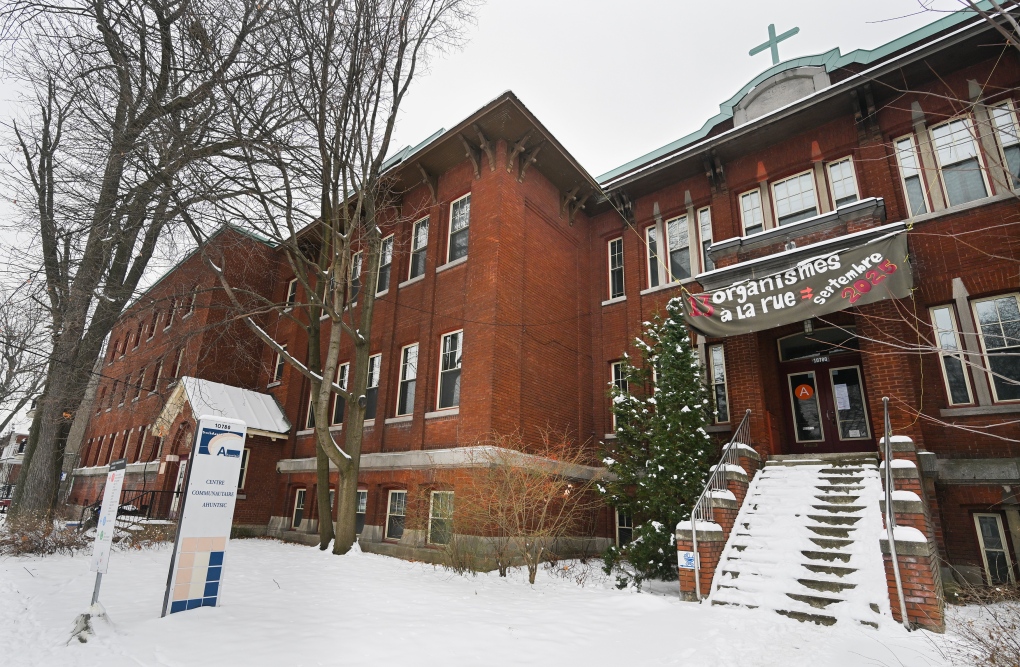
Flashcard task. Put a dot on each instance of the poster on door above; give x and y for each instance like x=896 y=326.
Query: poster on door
x=108 y=517
x=854 y=276
x=210 y=491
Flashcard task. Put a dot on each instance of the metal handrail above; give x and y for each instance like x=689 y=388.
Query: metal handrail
x=703 y=508
x=890 y=517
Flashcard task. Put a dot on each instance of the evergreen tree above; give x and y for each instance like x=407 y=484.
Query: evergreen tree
x=661 y=453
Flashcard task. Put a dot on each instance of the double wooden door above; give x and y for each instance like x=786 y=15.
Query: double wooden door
x=826 y=405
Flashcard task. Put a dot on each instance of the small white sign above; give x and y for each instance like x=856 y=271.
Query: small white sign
x=108 y=517
x=842 y=397
x=686 y=559
x=209 y=493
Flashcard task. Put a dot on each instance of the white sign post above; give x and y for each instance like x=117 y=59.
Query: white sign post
x=208 y=496
x=107 y=523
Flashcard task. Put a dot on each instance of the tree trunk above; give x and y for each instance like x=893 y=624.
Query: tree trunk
x=325 y=508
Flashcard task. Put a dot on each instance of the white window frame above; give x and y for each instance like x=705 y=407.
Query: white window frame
x=415 y=248
x=385 y=260
x=849 y=159
x=389 y=513
x=620 y=382
x=685 y=224
x=178 y=362
x=984 y=349
x=918 y=168
x=957 y=352
x=761 y=210
x=310 y=415
x=374 y=376
x=713 y=384
x=1002 y=538
x=702 y=250
x=291 y=299
x=404 y=366
x=279 y=365
x=357 y=268
x=432 y=506
x=153 y=324
x=794 y=177
x=630 y=519
x=982 y=167
x=460 y=367
x=245 y=458
x=609 y=266
x=194 y=298
x=170 y=313
x=343 y=373
x=142 y=430
x=360 y=507
x=154 y=387
x=301 y=494
x=1010 y=109
x=449 y=228
x=655 y=265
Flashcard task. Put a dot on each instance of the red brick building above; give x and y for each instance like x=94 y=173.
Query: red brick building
x=534 y=278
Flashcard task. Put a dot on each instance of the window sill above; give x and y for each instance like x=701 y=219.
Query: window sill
x=336 y=428
x=609 y=436
x=950 y=210
x=450 y=265
x=369 y=423
x=307 y=431
x=274 y=383
x=411 y=281
x=652 y=290
x=619 y=299
x=382 y=293
x=402 y=419
x=323 y=317
x=974 y=411
x=719 y=428
x=447 y=412
x=242 y=496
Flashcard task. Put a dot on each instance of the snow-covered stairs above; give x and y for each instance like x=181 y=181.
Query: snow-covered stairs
x=805 y=543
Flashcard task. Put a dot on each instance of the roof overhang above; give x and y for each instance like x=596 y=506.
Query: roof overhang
x=260 y=412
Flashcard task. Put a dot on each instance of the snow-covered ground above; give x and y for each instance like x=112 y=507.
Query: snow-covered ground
x=286 y=606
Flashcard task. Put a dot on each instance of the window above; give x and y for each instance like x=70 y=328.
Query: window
x=127 y=388
x=998 y=319
x=385 y=262
x=449 y=370
x=194 y=298
x=395 y=509
x=419 y=246
x=372 y=392
x=310 y=417
x=359 y=511
x=355 y=277
x=652 y=245
x=281 y=361
x=339 y=404
x=460 y=218
x=843 y=181
x=441 y=517
x=1007 y=130
x=616 y=268
x=178 y=363
x=154 y=383
x=299 y=509
x=947 y=339
x=245 y=453
x=717 y=378
x=957 y=155
x=408 y=378
x=291 y=293
x=618 y=379
x=751 y=213
x=678 y=241
x=142 y=432
x=152 y=325
x=705 y=229
x=139 y=384
x=910 y=172
x=170 y=314
x=998 y=568
x=795 y=198
x=101 y=401
x=624 y=528
x=138 y=334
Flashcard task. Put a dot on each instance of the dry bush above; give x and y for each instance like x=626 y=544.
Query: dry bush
x=41 y=538
x=523 y=501
x=993 y=638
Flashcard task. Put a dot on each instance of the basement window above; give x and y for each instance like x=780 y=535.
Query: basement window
x=441 y=517
x=396 y=507
x=624 y=528
x=994 y=555
x=359 y=512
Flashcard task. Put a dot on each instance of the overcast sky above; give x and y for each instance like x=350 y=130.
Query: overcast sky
x=614 y=80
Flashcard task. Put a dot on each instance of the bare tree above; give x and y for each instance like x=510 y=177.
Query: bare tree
x=319 y=187
x=121 y=117
x=23 y=351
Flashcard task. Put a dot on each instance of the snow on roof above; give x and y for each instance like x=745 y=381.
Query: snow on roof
x=260 y=412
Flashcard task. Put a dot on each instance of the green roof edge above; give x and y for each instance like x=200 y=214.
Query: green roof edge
x=831 y=60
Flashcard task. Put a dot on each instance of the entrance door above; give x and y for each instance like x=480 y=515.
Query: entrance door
x=826 y=400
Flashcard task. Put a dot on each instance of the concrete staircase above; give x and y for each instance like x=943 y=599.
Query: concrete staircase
x=805 y=544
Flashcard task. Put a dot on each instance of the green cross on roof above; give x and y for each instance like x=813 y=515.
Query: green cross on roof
x=773 y=43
